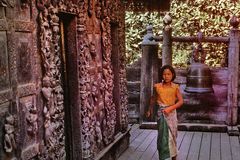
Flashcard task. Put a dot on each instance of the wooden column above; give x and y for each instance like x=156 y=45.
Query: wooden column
x=167 y=41
x=233 y=67
x=149 y=71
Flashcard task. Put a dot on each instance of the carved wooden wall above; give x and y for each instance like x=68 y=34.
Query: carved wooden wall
x=62 y=78
x=19 y=110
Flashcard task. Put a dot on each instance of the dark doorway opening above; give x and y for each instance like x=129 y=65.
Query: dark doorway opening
x=116 y=68
x=70 y=84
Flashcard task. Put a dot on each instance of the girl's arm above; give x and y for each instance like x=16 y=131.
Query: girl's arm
x=151 y=104
x=176 y=105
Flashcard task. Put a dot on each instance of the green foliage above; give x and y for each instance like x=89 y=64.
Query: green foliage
x=189 y=17
x=135 y=30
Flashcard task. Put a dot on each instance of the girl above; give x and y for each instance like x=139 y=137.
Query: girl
x=168 y=98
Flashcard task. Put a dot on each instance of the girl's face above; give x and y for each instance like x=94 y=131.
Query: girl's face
x=167 y=76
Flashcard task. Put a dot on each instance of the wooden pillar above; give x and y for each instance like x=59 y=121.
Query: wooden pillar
x=233 y=67
x=149 y=71
x=167 y=41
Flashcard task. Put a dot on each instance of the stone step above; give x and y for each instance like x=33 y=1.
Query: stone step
x=133 y=108
x=202 y=127
x=133 y=86
x=133 y=97
x=133 y=73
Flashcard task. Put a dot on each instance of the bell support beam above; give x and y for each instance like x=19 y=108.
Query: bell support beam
x=191 y=39
x=233 y=75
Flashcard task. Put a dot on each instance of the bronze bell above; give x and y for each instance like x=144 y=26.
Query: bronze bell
x=199 y=79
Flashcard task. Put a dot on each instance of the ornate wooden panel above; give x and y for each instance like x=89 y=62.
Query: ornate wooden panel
x=4 y=74
x=99 y=113
x=58 y=62
x=24 y=57
x=4 y=127
x=18 y=93
x=28 y=136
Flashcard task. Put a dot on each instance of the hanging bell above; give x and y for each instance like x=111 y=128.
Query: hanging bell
x=199 y=79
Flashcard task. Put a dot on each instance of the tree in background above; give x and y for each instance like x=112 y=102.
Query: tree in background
x=189 y=17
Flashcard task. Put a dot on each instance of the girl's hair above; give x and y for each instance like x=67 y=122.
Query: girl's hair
x=167 y=67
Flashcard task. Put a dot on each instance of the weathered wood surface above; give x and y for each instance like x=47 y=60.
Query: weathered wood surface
x=149 y=73
x=191 y=145
x=233 y=69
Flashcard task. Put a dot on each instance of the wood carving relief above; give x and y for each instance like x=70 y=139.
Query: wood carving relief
x=87 y=114
x=32 y=118
x=24 y=61
x=37 y=129
x=53 y=110
x=9 y=137
x=96 y=77
x=120 y=18
x=7 y=3
x=25 y=3
x=29 y=127
x=4 y=82
x=98 y=112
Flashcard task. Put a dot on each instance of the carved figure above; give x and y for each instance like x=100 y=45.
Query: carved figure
x=47 y=126
x=32 y=120
x=47 y=89
x=9 y=138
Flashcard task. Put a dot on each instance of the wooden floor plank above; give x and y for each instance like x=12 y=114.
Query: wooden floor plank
x=151 y=149
x=135 y=156
x=180 y=138
x=134 y=127
x=215 y=146
x=235 y=147
x=155 y=156
x=193 y=152
x=225 y=147
x=126 y=154
x=184 y=148
x=139 y=139
x=135 y=133
x=131 y=151
x=147 y=141
x=204 y=153
x=192 y=146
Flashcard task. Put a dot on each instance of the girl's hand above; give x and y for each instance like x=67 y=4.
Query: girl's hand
x=167 y=110
x=147 y=114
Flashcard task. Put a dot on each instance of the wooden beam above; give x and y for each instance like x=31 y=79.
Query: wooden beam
x=190 y=39
x=233 y=67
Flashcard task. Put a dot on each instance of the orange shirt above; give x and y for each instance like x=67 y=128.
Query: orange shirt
x=166 y=95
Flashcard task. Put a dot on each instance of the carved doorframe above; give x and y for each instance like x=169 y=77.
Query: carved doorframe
x=72 y=120
x=60 y=95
